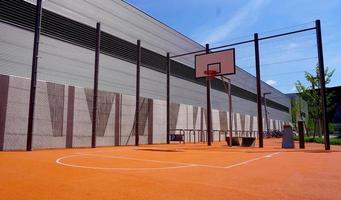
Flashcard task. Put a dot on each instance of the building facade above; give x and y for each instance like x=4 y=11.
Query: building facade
x=65 y=73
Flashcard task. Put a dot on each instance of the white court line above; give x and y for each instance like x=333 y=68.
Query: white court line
x=251 y=160
x=108 y=150
x=138 y=159
x=156 y=161
x=115 y=150
x=183 y=165
x=59 y=161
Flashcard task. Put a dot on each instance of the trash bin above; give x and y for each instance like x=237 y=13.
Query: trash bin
x=288 y=137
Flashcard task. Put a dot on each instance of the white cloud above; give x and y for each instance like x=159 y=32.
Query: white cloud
x=290 y=46
x=243 y=15
x=271 y=82
x=293 y=89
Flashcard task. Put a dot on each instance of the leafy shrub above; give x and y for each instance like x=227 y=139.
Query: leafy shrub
x=333 y=141
x=332 y=127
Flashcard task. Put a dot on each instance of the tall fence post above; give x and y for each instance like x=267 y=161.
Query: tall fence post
x=259 y=92
x=301 y=134
x=168 y=97
x=209 y=109
x=230 y=112
x=323 y=85
x=34 y=76
x=137 y=110
x=94 y=105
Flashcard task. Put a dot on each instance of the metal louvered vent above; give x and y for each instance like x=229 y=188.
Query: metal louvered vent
x=22 y=14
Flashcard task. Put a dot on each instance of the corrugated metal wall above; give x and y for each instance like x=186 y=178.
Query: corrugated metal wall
x=67 y=63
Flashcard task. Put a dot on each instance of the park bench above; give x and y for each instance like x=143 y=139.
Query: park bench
x=177 y=138
x=241 y=141
x=242 y=138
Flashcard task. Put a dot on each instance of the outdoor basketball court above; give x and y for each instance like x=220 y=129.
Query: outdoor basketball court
x=176 y=171
x=204 y=169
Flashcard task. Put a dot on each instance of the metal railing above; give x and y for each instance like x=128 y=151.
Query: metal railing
x=199 y=136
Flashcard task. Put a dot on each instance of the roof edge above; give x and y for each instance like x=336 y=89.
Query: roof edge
x=150 y=16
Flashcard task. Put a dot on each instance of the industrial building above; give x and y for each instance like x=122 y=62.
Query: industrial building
x=63 y=110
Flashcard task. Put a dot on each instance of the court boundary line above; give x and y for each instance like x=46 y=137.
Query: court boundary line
x=252 y=160
x=59 y=161
x=182 y=165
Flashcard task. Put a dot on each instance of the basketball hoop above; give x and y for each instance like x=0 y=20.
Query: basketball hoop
x=210 y=73
x=213 y=64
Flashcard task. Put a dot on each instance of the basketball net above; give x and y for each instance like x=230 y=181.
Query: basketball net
x=210 y=74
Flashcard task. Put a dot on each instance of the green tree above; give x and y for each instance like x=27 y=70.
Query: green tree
x=298 y=112
x=294 y=112
x=311 y=94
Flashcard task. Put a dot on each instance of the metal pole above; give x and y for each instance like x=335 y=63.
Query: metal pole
x=266 y=111
x=137 y=110
x=94 y=105
x=247 y=41
x=323 y=85
x=228 y=90
x=266 y=115
x=209 y=111
x=168 y=96
x=230 y=112
x=259 y=93
x=34 y=76
x=301 y=134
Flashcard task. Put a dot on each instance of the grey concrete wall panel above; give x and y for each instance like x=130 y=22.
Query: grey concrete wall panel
x=43 y=133
x=150 y=121
x=82 y=121
x=143 y=116
x=17 y=112
x=127 y=121
x=66 y=63
x=70 y=116
x=124 y=80
x=104 y=106
x=106 y=119
x=195 y=116
x=56 y=126
x=55 y=93
x=242 y=122
x=251 y=123
x=80 y=3
x=118 y=115
x=122 y=20
x=4 y=87
x=223 y=120
x=159 y=121
x=174 y=113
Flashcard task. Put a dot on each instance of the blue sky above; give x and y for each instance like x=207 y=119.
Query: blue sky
x=283 y=60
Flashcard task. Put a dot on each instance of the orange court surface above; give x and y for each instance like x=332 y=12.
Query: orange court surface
x=175 y=171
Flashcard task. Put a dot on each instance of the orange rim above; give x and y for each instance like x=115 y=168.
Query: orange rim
x=210 y=73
